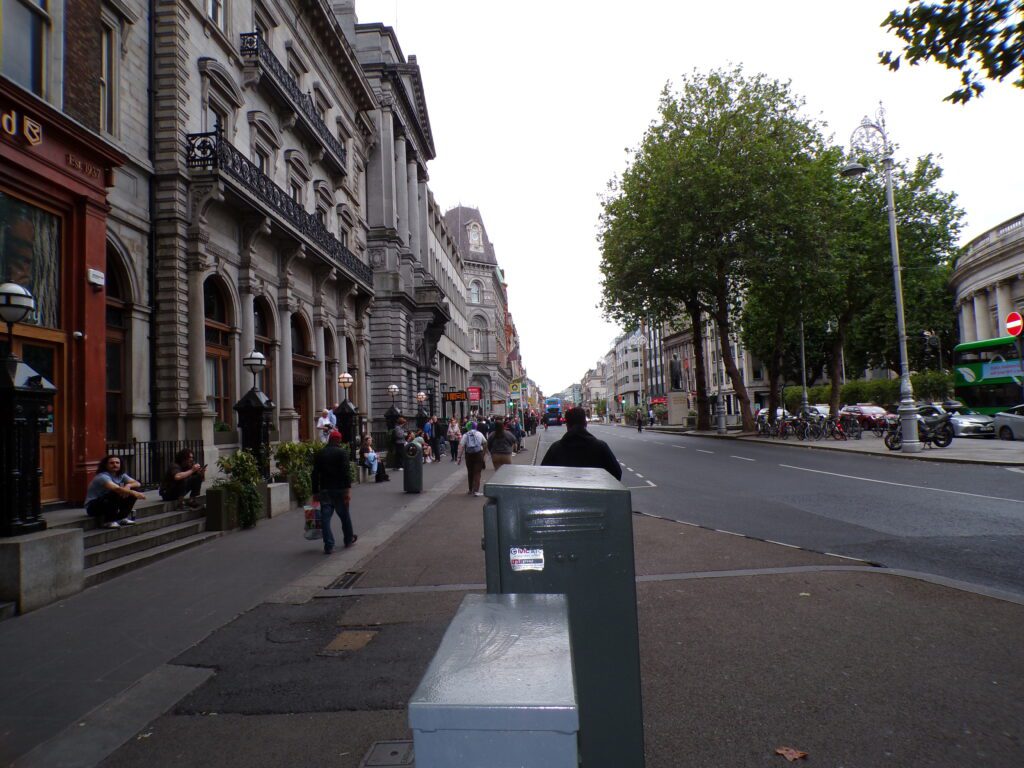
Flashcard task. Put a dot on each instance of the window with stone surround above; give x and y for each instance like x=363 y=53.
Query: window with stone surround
x=264 y=142
x=109 y=45
x=221 y=98
x=216 y=11
x=475 y=292
x=298 y=176
x=219 y=367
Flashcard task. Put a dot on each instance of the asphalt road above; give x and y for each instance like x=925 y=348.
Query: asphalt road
x=959 y=521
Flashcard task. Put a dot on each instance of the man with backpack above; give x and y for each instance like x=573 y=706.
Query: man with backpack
x=472 y=447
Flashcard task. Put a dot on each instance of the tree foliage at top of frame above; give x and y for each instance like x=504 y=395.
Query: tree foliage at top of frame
x=983 y=39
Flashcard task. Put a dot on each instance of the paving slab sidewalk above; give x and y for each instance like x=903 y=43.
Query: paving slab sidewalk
x=746 y=647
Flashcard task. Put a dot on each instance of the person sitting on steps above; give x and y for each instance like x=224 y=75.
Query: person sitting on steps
x=184 y=476
x=112 y=494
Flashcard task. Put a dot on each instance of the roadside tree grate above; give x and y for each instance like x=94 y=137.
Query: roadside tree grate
x=346 y=580
x=389 y=754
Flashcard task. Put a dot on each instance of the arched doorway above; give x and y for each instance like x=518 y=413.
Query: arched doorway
x=304 y=365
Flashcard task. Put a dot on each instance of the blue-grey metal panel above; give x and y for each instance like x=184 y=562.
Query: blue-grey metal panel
x=505 y=664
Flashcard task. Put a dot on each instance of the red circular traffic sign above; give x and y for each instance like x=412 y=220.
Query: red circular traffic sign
x=1014 y=323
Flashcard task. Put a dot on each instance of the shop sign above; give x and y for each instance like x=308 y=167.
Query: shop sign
x=474 y=393
x=16 y=124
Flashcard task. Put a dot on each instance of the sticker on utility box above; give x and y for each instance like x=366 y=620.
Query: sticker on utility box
x=526 y=558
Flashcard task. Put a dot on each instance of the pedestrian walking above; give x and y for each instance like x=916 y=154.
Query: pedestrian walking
x=472 y=448
x=578 y=448
x=323 y=425
x=332 y=487
x=639 y=421
x=397 y=443
x=454 y=436
x=501 y=444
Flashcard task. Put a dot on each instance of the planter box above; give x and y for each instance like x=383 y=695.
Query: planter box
x=226 y=438
x=221 y=510
x=276 y=499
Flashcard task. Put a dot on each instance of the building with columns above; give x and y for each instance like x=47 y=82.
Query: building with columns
x=263 y=131
x=410 y=311
x=988 y=281
x=486 y=308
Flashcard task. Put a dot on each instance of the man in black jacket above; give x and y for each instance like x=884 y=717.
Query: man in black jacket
x=332 y=486
x=579 y=448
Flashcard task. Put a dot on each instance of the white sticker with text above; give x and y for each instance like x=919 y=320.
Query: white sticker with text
x=526 y=558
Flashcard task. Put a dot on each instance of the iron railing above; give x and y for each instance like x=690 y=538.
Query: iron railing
x=255 y=47
x=212 y=151
x=148 y=462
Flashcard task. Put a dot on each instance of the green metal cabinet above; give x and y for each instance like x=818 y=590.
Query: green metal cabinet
x=569 y=531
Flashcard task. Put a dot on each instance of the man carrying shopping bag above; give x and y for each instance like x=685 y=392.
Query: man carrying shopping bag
x=332 y=487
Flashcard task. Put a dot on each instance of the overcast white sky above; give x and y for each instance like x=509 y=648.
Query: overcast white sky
x=532 y=105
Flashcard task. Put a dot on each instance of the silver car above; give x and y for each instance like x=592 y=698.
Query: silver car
x=1009 y=425
x=968 y=423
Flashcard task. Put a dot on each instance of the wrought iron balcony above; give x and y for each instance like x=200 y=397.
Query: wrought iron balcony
x=255 y=48
x=211 y=151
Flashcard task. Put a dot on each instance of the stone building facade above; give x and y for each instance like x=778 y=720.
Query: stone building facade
x=988 y=281
x=486 y=310
x=411 y=311
x=262 y=132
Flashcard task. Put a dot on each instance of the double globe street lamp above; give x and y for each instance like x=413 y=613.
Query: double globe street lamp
x=867 y=136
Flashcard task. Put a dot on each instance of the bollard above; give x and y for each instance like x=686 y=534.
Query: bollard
x=412 y=468
x=570 y=531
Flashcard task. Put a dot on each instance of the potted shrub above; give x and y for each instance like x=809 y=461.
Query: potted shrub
x=242 y=481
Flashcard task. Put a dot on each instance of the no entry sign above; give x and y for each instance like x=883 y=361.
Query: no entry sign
x=1014 y=323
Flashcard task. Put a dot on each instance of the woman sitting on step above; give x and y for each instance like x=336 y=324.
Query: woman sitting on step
x=112 y=494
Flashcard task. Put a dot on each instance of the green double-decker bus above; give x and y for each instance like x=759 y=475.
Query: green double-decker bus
x=988 y=375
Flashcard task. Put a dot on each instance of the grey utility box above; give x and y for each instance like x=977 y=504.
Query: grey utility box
x=499 y=691
x=568 y=530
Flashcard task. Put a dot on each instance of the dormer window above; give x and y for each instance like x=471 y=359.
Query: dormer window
x=476 y=239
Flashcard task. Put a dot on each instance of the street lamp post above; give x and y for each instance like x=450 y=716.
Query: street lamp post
x=254 y=410
x=906 y=410
x=719 y=373
x=391 y=414
x=804 y=405
x=347 y=414
x=26 y=398
x=421 y=413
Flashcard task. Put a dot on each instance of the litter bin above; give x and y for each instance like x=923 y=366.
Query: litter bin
x=569 y=531
x=499 y=691
x=412 y=468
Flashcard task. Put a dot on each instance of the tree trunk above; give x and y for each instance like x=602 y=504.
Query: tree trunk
x=774 y=371
x=836 y=368
x=695 y=311
x=725 y=348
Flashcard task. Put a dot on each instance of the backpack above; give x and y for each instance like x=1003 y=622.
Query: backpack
x=473 y=442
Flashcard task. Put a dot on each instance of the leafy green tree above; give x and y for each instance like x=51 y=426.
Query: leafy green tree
x=983 y=39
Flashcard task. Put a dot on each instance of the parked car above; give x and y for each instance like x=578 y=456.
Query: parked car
x=1009 y=425
x=780 y=413
x=970 y=423
x=865 y=413
x=819 y=410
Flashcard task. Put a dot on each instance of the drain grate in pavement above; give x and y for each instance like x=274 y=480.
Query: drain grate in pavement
x=345 y=581
x=349 y=640
x=389 y=754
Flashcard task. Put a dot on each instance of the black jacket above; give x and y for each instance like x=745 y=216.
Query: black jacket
x=579 y=448
x=330 y=469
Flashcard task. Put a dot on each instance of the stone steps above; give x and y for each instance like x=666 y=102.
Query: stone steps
x=108 y=570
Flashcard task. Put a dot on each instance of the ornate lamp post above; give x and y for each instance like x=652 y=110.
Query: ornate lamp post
x=347 y=414
x=25 y=400
x=254 y=411
x=391 y=414
x=867 y=135
x=422 y=417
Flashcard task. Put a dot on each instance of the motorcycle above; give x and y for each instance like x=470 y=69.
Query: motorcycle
x=931 y=430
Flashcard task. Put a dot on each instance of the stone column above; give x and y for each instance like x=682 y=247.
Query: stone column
x=248 y=326
x=402 y=190
x=363 y=374
x=414 y=209
x=380 y=174
x=968 y=331
x=1004 y=303
x=138 y=374
x=424 y=220
x=287 y=418
x=319 y=378
x=196 y=343
x=982 y=321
